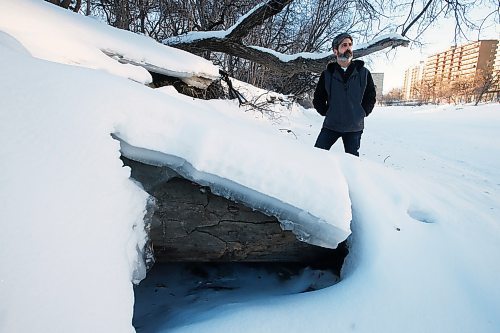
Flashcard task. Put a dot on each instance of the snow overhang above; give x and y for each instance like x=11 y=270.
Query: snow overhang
x=307 y=226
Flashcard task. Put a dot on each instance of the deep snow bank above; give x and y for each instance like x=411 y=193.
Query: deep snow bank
x=53 y=33
x=73 y=221
x=71 y=218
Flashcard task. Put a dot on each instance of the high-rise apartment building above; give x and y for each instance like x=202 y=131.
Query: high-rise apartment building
x=455 y=73
x=412 y=79
x=496 y=74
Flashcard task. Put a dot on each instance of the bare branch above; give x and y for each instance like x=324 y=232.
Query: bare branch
x=256 y=17
x=416 y=18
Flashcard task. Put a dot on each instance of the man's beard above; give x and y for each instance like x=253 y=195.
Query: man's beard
x=345 y=57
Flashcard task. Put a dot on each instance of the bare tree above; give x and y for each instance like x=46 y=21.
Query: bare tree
x=462 y=89
x=282 y=27
x=422 y=14
x=429 y=91
x=263 y=41
x=88 y=7
x=395 y=95
x=73 y=5
x=486 y=82
x=272 y=36
x=232 y=40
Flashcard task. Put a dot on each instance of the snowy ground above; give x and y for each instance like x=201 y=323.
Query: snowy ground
x=421 y=204
x=405 y=142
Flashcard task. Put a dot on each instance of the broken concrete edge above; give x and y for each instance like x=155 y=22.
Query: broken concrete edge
x=306 y=227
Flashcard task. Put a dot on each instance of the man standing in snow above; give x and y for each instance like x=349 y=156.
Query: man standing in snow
x=345 y=95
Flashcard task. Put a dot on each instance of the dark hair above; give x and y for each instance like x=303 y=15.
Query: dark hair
x=339 y=38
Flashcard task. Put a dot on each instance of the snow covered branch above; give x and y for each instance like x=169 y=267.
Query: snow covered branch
x=230 y=42
x=286 y=64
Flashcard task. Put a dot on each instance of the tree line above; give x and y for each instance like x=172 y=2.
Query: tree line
x=284 y=26
x=484 y=86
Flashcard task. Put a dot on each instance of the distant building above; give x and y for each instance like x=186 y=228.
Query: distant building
x=453 y=73
x=411 y=82
x=378 y=80
x=496 y=74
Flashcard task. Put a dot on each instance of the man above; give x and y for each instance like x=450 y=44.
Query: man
x=345 y=95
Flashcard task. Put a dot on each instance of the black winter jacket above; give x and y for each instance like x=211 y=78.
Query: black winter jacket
x=345 y=98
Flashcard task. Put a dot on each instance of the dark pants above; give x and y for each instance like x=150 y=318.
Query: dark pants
x=351 y=140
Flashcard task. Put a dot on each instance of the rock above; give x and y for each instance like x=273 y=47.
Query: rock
x=192 y=224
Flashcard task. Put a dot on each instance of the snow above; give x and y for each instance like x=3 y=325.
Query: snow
x=291 y=57
x=54 y=34
x=392 y=36
x=320 y=55
x=194 y=36
x=188 y=142
x=71 y=218
x=422 y=201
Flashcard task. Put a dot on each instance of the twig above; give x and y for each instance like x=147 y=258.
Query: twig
x=289 y=131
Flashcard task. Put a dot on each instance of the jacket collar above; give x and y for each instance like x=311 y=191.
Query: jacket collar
x=357 y=64
x=338 y=73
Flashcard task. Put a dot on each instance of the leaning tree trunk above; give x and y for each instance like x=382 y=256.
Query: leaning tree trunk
x=231 y=43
